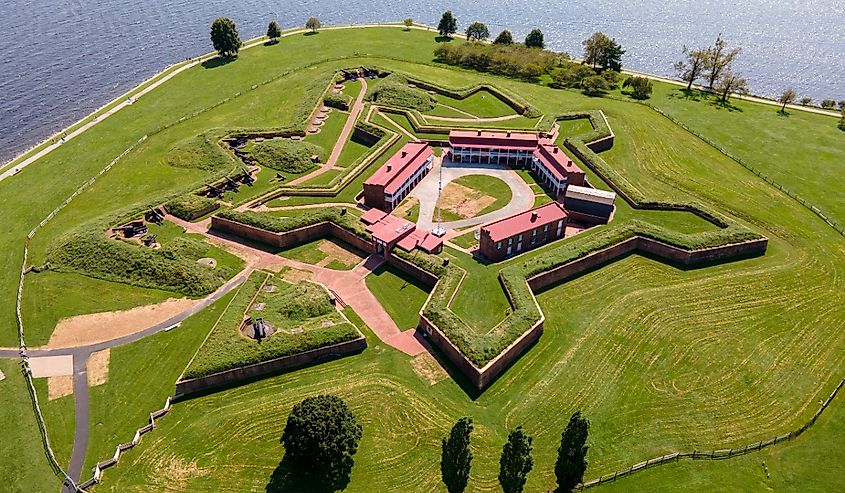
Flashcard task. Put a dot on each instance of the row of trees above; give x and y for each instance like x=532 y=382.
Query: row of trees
x=713 y=64
x=516 y=461
x=227 y=41
x=790 y=96
x=477 y=31
x=321 y=438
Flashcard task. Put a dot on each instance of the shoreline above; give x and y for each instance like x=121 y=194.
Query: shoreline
x=47 y=145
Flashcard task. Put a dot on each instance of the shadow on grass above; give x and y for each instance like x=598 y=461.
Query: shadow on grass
x=443 y=39
x=784 y=114
x=726 y=105
x=271 y=42
x=286 y=479
x=311 y=33
x=218 y=61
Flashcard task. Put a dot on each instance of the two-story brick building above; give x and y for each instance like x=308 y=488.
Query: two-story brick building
x=524 y=231
x=520 y=150
x=391 y=183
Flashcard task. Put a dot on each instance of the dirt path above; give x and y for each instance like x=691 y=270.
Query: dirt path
x=397 y=126
x=471 y=120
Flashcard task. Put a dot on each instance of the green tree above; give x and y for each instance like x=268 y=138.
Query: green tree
x=806 y=101
x=570 y=75
x=719 y=59
x=313 y=24
x=225 y=38
x=730 y=83
x=456 y=457
x=504 y=38
x=535 y=39
x=787 y=97
x=639 y=87
x=692 y=66
x=408 y=23
x=448 y=24
x=320 y=439
x=516 y=461
x=841 y=123
x=841 y=105
x=828 y=104
x=273 y=32
x=477 y=31
x=572 y=454
x=612 y=56
x=595 y=85
x=601 y=51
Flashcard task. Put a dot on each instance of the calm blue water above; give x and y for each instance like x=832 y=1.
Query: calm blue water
x=71 y=56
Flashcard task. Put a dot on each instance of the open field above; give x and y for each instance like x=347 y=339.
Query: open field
x=481 y=104
x=330 y=253
x=399 y=294
x=660 y=359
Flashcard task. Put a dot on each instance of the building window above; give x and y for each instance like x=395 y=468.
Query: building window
x=499 y=245
x=520 y=238
x=533 y=232
x=545 y=228
x=560 y=223
x=510 y=241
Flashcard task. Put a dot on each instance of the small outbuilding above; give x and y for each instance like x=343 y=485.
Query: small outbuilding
x=589 y=205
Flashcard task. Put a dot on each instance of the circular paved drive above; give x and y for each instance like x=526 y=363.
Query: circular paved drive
x=426 y=193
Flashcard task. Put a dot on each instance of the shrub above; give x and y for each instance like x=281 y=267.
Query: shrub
x=595 y=85
x=289 y=156
x=199 y=152
x=640 y=87
x=191 y=206
x=302 y=301
x=395 y=91
x=339 y=101
x=512 y=60
x=570 y=75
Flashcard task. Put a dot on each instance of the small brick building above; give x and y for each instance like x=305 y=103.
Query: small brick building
x=391 y=183
x=524 y=231
x=589 y=205
x=390 y=231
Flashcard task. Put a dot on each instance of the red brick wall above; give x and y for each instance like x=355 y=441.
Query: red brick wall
x=374 y=197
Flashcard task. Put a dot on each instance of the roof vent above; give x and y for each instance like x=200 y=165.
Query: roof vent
x=534 y=216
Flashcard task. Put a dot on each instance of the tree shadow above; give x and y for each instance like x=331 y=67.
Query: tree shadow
x=687 y=94
x=286 y=479
x=271 y=42
x=784 y=114
x=218 y=61
x=726 y=105
x=443 y=39
x=311 y=33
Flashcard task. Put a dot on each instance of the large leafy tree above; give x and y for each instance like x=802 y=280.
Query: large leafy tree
x=516 y=461
x=572 y=454
x=477 y=31
x=535 y=39
x=456 y=457
x=692 y=66
x=313 y=24
x=504 y=38
x=225 y=38
x=273 y=31
x=320 y=439
x=448 y=24
x=639 y=87
x=719 y=60
x=601 y=51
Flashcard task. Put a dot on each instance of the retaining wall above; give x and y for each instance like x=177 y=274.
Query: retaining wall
x=651 y=246
x=412 y=270
x=229 y=377
x=290 y=238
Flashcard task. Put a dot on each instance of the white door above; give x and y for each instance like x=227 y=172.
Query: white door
x=519 y=247
x=509 y=250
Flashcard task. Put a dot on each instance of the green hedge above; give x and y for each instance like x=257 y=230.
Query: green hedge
x=226 y=348
x=191 y=206
x=172 y=268
x=425 y=261
x=200 y=152
x=288 y=156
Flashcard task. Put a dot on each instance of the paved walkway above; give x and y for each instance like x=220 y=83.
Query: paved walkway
x=426 y=192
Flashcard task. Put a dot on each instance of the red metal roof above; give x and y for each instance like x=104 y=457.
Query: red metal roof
x=524 y=221
x=372 y=216
x=390 y=228
x=556 y=161
x=400 y=166
x=498 y=140
x=422 y=239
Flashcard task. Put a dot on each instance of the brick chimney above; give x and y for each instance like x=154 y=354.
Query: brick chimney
x=533 y=216
x=389 y=167
x=479 y=133
x=509 y=133
x=555 y=150
x=404 y=153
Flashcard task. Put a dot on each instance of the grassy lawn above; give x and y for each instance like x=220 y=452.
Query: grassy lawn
x=481 y=104
x=328 y=252
x=571 y=128
x=401 y=295
x=330 y=131
x=466 y=240
x=659 y=359
x=23 y=457
x=409 y=209
x=139 y=384
x=488 y=185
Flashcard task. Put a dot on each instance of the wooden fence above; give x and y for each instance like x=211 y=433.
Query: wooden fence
x=719 y=454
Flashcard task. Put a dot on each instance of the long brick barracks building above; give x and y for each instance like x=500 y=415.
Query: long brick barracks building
x=395 y=179
x=523 y=150
x=523 y=231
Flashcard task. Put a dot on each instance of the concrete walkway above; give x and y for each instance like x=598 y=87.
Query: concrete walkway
x=426 y=192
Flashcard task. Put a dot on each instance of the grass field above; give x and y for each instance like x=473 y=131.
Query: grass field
x=481 y=104
x=399 y=294
x=660 y=359
x=331 y=253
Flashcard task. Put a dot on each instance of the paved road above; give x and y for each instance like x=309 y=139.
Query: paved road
x=426 y=192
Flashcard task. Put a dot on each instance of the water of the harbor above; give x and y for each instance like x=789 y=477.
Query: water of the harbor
x=64 y=58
